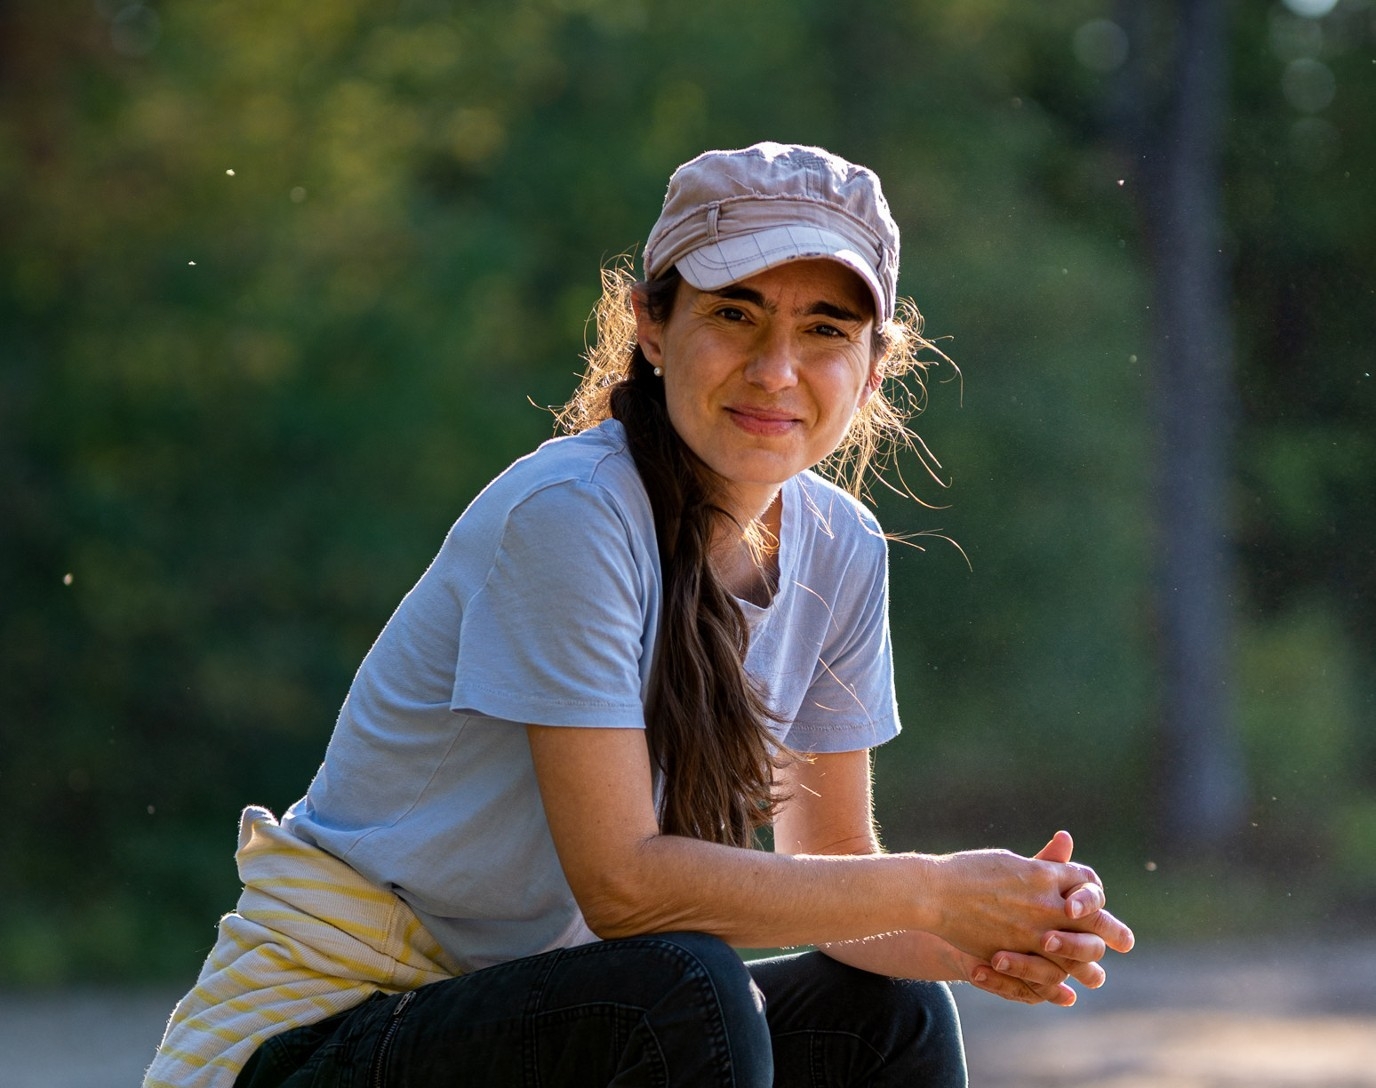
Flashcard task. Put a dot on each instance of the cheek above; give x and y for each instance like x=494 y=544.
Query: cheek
x=680 y=408
x=851 y=388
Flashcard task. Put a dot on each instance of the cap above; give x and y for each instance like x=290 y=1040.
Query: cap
x=729 y=215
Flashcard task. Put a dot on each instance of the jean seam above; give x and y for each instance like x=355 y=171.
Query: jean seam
x=530 y=1050
x=816 y=1061
x=721 y=1049
x=695 y=972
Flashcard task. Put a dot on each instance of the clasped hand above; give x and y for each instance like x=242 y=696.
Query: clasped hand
x=1038 y=971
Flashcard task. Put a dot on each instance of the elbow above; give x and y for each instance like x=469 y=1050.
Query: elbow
x=613 y=910
x=611 y=927
x=622 y=901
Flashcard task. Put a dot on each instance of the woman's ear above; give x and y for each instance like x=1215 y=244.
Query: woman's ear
x=873 y=380
x=648 y=332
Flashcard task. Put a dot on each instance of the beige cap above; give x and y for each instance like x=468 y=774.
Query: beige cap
x=729 y=215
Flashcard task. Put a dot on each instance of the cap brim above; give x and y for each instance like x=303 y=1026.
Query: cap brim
x=730 y=260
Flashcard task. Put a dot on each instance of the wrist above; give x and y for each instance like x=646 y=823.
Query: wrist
x=924 y=891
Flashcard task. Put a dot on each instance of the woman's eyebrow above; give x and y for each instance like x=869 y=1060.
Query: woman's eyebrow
x=736 y=293
x=821 y=308
x=830 y=309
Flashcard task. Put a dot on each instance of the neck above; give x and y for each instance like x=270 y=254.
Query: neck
x=745 y=554
x=750 y=505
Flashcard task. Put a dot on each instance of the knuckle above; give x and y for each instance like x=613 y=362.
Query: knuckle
x=1088 y=948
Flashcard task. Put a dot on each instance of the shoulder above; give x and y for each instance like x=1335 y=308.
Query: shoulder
x=836 y=521
x=571 y=476
x=597 y=456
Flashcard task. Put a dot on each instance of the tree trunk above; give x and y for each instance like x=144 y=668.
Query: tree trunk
x=1181 y=106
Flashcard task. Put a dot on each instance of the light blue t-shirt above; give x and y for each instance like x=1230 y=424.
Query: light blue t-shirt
x=542 y=607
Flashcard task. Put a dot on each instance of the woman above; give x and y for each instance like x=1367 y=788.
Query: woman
x=526 y=856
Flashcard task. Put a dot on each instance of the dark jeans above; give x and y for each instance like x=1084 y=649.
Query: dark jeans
x=676 y=1010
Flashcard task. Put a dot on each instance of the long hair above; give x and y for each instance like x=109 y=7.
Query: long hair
x=707 y=722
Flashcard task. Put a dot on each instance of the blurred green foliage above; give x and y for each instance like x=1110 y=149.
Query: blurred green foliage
x=283 y=282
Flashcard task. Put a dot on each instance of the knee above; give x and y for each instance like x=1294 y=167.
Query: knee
x=926 y=1030
x=912 y=1027
x=710 y=955
x=707 y=993
x=910 y=1005
x=711 y=962
x=929 y=1002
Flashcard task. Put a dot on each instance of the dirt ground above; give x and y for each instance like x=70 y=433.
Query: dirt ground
x=1219 y=1016
x=1207 y=1017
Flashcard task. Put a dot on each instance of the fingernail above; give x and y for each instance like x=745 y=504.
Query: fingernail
x=981 y=976
x=1053 y=943
x=1077 y=908
x=1002 y=966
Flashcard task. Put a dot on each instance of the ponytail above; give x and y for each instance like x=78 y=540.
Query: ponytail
x=707 y=721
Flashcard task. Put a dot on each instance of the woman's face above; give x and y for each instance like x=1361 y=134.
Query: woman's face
x=761 y=378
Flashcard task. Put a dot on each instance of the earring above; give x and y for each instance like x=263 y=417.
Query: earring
x=659 y=372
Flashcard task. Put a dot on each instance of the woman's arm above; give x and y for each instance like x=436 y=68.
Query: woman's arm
x=831 y=810
x=629 y=879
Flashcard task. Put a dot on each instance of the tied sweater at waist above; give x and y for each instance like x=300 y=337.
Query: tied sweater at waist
x=309 y=938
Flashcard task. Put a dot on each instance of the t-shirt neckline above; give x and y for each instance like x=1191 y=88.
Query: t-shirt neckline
x=788 y=553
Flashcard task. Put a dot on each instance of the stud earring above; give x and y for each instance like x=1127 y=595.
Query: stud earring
x=659 y=372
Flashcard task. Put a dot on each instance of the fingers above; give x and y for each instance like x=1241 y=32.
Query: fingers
x=1074 y=946
x=1086 y=972
x=1034 y=970
x=1085 y=891
x=1072 y=953
x=1086 y=904
x=1058 y=849
x=1056 y=894
x=1112 y=932
x=1085 y=899
x=1028 y=979
x=1053 y=969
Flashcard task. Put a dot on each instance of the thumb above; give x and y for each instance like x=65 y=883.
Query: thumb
x=1058 y=849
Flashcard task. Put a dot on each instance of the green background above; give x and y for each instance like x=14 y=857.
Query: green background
x=285 y=284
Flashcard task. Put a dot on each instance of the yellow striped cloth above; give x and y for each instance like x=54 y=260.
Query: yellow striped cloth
x=309 y=938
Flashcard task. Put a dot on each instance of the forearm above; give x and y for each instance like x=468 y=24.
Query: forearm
x=907 y=915
x=909 y=953
x=628 y=878
x=755 y=899
x=822 y=884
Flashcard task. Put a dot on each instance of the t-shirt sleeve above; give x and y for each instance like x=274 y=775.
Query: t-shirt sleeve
x=557 y=632
x=850 y=703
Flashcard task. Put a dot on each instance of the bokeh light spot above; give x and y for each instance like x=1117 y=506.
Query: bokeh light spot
x=1101 y=45
x=1311 y=9
x=1308 y=84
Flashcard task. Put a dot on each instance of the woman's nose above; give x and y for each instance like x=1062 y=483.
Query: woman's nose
x=773 y=363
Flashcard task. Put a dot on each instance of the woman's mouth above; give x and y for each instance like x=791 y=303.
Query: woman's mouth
x=762 y=421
